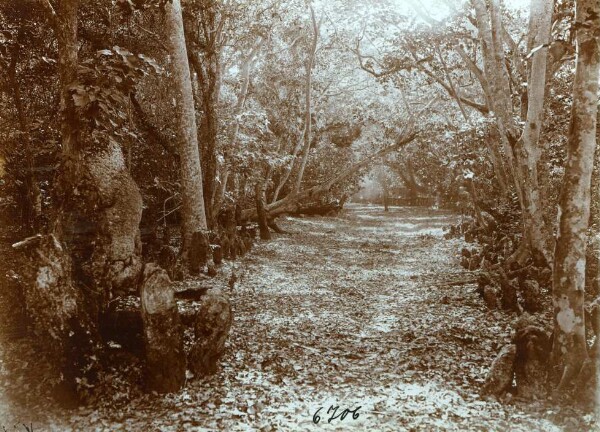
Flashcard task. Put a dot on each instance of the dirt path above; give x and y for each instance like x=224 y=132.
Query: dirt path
x=358 y=311
x=353 y=311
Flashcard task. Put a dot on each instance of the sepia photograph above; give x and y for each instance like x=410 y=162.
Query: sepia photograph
x=299 y=215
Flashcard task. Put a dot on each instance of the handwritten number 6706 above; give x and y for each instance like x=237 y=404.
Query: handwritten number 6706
x=334 y=415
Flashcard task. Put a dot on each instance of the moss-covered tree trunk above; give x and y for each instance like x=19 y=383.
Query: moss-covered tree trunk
x=569 y=350
x=94 y=250
x=100 y=204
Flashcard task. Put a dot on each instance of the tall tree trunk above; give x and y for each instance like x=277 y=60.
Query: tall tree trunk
x=305 y=140
x=522 y=155
x=193 y=209
x=96 y=241
x=288 y=170
x=528 y=149
x=220 y=190
x=66 y=33
x=55 y=283
x=569 y=350
x=497 y=80
x=308 y=102
x=205 y=42
x=385 y=186
x=208 y=133
x=496 y=158
x=595 y=220
x=100 y=204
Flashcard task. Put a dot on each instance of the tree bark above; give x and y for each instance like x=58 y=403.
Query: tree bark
x=100 y=204
x=193 y=209
x=305 y=139
x=498 y=83
x=66 y=33
x=63 y=317
x=527 y=148
x=220 y=190
x=288 y=170
x=496 y=158
x=261 y=212
x=569 y=350
x=522 y=154
x=595 y=220
x=308 y=102
x=205 y=42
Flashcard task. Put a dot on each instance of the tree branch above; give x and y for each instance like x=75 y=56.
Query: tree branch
x=50 y=10
x=475 y=105
x=474 y=70
x=149 y=128
x=397 y=68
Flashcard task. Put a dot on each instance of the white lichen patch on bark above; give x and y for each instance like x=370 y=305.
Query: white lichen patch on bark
x=45 y=278
x=580 y=269
x=567 y=320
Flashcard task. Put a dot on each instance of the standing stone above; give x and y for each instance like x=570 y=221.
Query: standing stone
x=213 y=322
x=247 y=241
x=490 y=297
x=532 y=296
x=239 y=244
x=531 y=363
x=211 y=270
x=163 y=333
x=500 y=376
x=508 y=293
x=233 y=249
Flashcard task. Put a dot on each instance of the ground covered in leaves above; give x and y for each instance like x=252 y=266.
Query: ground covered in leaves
x=368 y=311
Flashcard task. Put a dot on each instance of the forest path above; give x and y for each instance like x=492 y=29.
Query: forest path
x=356 y=310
